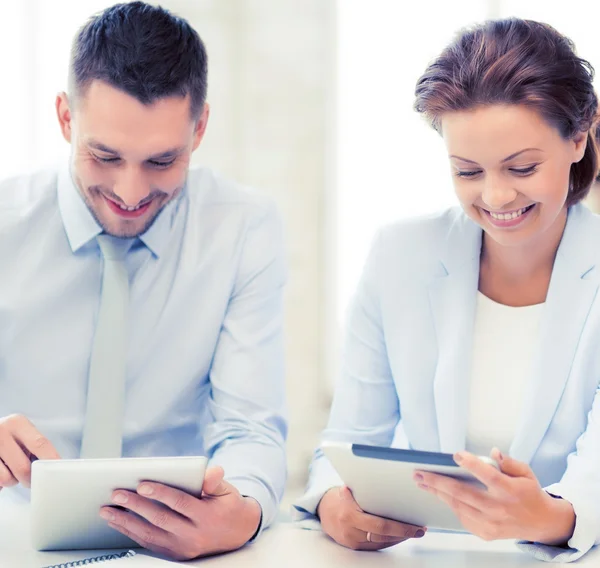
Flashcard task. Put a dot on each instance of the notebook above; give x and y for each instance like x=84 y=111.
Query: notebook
x=129 y=559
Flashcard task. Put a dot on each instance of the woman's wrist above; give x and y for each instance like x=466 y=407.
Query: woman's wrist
x=558 y=522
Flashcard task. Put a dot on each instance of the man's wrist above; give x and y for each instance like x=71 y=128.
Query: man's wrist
x=255 y=517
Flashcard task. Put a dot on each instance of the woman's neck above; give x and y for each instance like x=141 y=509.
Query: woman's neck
x=520 y=275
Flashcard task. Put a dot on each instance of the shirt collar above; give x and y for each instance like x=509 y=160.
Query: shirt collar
x=81 y=226
x=156 y=238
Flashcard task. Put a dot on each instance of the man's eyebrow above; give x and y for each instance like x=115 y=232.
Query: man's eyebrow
x=172 y=153
x=102 y=147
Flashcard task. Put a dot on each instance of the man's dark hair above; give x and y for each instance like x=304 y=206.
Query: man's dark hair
x=143 y=50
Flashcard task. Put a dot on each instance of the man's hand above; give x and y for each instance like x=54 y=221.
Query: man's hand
x=346 y=523
x=181 y=526
x=514 y=505
x=20 y=444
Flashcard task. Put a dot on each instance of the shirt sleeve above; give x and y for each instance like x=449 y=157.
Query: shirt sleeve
x=365 y=407
x=249 y=428
x=580 y=486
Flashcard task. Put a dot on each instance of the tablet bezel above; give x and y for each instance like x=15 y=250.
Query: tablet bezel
x=66 y=496
x=381 y=480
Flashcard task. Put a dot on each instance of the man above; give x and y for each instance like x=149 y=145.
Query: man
x=125 y=264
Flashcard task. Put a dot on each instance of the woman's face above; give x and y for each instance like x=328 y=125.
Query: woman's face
x=511 y=170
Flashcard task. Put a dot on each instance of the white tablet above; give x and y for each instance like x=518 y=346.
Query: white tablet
x=381 y=480
x=66 y=496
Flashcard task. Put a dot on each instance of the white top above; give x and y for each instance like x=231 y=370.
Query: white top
x=504 y=341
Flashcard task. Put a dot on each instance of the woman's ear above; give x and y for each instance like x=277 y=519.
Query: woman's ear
x=580 y=141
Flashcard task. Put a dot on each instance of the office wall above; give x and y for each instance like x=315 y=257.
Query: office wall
x=270 y=89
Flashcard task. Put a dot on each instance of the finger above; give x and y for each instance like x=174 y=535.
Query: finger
x=39 y=446
x=356 y=540
x=348 y=499
x=139 y=530
x=487 y=474
x=15 y=460
x=510 y=466
x=460 y=508
x=187 y=506
x=214 y=485
x=7 y=479
x=155 y=513
x=386 y=527
x=361 y=536
x=458 y=490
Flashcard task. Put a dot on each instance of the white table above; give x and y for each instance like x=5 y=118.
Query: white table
x=287 y=545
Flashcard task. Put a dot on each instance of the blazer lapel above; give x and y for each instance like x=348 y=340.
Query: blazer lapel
x=453 y=302
x=572 y=290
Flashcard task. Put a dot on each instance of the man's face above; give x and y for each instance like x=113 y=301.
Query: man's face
x=128 y=159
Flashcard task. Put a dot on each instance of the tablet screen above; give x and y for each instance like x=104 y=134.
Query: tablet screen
x=410 y=456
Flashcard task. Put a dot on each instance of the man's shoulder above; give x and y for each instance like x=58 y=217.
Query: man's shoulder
x=27 y=192
x=211 y=192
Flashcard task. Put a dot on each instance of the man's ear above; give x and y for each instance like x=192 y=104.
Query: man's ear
x=201 y=126
x=65 y=118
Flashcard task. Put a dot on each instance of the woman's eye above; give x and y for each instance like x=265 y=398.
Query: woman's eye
x=468 y=174
x=524 y=171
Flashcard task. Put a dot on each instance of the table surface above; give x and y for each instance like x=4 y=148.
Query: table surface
x=286 y=544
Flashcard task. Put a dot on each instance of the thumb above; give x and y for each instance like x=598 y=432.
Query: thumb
x=214 y=485
x=348 y=498
x=511 y=466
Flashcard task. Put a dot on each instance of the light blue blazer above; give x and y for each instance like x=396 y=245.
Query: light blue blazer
x=408 y=353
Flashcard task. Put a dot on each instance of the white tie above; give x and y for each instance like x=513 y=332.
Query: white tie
x=103 y=428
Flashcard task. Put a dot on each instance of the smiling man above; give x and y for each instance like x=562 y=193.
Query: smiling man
x=141 y=308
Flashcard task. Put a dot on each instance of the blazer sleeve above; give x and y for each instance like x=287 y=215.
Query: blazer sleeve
x=365 y=407
x=580 y=485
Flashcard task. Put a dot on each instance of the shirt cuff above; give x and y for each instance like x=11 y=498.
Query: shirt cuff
x=584 y=534
x=323 y=478
x=258 y=492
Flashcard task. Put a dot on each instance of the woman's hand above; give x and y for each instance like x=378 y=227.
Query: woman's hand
x=514 y=505
x=346 y=523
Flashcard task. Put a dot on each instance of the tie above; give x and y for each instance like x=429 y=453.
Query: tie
x=103 y=427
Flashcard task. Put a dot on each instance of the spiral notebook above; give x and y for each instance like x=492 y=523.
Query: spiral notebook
x=128 y=559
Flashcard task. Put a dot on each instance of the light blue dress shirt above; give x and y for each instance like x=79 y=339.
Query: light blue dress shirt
x=406 y=366
x=205 y=371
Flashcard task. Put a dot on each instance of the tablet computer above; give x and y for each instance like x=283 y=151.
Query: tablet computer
x=66 y=496
x=381 y=480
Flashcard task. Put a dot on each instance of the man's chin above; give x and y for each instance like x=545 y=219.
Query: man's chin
x=126 y=228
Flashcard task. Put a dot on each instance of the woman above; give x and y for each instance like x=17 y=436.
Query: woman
x=479 y=328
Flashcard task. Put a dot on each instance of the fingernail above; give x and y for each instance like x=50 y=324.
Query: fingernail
x=420 y=534
x=418 y=477
x=500 y=456
x=422 y=486
x=145 y=490
x=120 y=498
x=107 y=514
x=459 y=457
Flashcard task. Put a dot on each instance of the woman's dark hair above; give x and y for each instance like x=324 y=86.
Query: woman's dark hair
x=143 y=50
x=519 y=62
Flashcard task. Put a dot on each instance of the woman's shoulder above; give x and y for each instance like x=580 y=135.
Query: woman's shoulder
x=417 y=249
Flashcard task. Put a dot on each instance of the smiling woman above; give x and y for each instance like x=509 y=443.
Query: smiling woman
x=476 y=331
